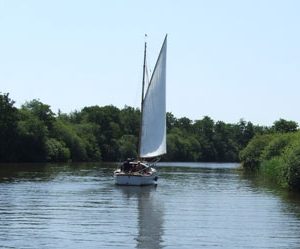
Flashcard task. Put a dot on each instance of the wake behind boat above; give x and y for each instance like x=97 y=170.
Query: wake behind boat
x=152 y=139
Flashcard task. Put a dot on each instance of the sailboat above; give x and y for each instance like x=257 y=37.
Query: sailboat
x=152 y=138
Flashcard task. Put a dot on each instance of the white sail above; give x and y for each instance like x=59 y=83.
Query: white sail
x=153 y=133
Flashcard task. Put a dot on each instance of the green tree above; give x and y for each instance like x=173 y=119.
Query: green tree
x=108 y=119
x=67 y=134
x=283 y=126
x=130 y=121
x=182 y=147
x=32 y=136
x=251 y=155
x=225 y=145
x=41 y=111
x=204 y=131
x=87 y=132
x=127 y=147
x=57 y=151
x=184 y=124
x=292 y=165
x=8 y=128
x=276 y=146
x=171 y=121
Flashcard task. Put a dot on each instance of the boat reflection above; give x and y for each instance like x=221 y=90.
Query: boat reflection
x=150 y=215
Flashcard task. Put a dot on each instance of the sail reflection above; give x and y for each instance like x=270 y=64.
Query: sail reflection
x=150 y=215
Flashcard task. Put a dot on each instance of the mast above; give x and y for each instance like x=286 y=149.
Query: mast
x=142 y=99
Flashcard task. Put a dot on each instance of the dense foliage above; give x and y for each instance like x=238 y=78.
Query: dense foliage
x=33 y=133
x=276 y=156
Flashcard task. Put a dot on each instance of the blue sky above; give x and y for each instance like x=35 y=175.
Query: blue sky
x=226 y=59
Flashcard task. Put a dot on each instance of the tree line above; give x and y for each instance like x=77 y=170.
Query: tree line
x=34 y=133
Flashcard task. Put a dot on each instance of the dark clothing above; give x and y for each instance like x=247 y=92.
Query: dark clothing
x=126 y=166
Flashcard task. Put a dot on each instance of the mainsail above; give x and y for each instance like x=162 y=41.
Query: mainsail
x=153 y=128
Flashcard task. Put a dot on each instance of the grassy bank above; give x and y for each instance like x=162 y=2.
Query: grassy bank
x=276 y=157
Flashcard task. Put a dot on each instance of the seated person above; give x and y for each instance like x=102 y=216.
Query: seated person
x=126 y=167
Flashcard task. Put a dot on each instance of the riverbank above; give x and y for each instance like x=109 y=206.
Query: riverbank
x=276 y=157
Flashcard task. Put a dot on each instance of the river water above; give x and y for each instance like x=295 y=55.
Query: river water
x=194 y=206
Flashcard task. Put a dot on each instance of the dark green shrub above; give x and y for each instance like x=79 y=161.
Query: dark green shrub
x=251 y=155
x=276 y=146
x=274 y=169
x=57 y=151
x=292 y=163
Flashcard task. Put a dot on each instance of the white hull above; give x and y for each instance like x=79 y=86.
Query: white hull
x=133 y=179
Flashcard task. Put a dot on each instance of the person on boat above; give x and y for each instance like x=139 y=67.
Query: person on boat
x=138 y=167
x=127 y=167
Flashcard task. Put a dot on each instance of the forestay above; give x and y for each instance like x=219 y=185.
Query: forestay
x=153 y=133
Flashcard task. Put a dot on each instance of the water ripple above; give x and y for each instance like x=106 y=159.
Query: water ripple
x=208 y=206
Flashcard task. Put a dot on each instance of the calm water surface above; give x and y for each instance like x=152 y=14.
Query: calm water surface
x=193 y=206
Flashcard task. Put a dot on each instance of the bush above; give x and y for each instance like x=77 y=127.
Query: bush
x=276 y=146
x=274 y=169
x=57 y=151
x=68 y=135
x=292 y=162
x=280 y=160
x=251 y=155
